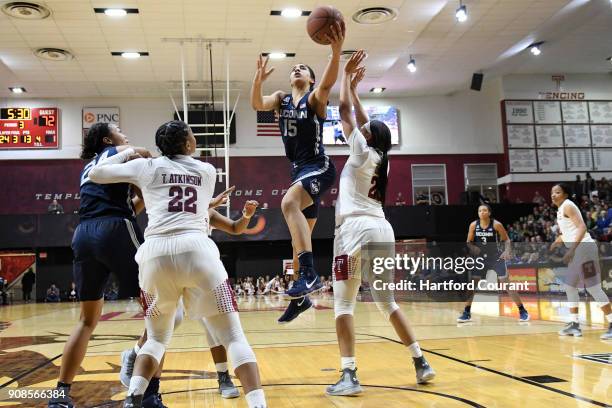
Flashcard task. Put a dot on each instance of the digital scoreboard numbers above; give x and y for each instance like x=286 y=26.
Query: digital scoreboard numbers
x=29 y=128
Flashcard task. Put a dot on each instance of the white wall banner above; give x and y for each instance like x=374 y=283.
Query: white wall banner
x=94 y=115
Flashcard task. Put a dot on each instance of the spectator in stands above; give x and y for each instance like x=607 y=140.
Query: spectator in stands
x=589 y=184
x=538 y=199
x=603 y=222
x=53 y=294
x=579 y=189
x=55 y=208
x=72 y=293
x=27 y=283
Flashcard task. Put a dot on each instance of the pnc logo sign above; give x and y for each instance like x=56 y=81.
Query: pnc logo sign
x=94 y=115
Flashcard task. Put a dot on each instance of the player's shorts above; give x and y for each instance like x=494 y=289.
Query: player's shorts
x=187 y=265
x=494 y=264
x=354 y=232
x=316 y=178
x=102 y=246
x=584 y=269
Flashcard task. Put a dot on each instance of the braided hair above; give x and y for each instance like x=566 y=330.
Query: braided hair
x=171 y=137
x=381 y=142
x=93 y=142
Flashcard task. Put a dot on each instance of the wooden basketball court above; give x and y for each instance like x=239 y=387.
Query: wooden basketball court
x=494 y=361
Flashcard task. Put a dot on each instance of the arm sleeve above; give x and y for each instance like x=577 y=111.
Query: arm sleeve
x=114 y=169
x=359 y=149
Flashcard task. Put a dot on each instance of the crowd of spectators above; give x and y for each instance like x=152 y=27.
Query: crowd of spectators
x=535 y=232
x=247 y=286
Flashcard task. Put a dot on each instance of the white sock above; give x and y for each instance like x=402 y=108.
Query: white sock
x=221 y=367
x=138 y=385
x=136 y=348
x=415 y=350
x=348 y=362
x=256 y=399
x=609 y=318
x=574 y=317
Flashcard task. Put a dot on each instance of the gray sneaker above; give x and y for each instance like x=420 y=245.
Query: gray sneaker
x=424 y=372
x=348 y=384
x=607 y=335
x=133 y=401
x=227 y=389
x=571 y=329
x=128 y=357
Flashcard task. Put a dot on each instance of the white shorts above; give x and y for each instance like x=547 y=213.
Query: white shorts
x=350 y=236
x=187 y=265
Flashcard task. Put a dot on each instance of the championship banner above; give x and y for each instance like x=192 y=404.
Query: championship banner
x=105 y=115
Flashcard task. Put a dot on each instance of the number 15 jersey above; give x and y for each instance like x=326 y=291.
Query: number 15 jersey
x=301 y=130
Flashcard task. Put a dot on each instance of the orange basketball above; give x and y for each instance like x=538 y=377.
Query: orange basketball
x=320 y=21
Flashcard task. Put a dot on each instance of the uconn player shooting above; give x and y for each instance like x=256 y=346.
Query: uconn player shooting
x=301 y=115
x=484 y=239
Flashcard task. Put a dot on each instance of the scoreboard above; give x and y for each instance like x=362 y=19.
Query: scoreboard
x=29 y=128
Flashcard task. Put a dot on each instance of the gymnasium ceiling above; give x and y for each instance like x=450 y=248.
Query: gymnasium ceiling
x=577 y=35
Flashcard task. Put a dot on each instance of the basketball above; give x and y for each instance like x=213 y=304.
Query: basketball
x=320 y=21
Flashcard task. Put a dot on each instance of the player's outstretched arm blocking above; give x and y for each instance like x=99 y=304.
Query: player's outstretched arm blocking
x=346 y=103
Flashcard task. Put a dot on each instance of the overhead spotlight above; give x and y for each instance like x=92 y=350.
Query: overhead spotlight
x=412 y=65
x=277 y=55
x=291 y=13
x=129 y=54
x=17 y=90
x=461 y=13
x=535 y=48
x=115 y=12
x=377 y=90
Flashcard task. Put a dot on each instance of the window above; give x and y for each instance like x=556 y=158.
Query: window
x=482 y=178
x=429 y=184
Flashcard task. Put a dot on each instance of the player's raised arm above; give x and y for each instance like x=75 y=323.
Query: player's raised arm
x=233 y=227
x=319 y=97
x=360 y=113
x=117 y=168
x=260 y=102
x=346 y=103
x=503 y=235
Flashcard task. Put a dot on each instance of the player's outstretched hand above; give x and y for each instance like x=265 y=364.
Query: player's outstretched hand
x=353 y=64
x=357 y=77
x=249 y=208
x=221 y=198
x=336 y=37
x=262 y=72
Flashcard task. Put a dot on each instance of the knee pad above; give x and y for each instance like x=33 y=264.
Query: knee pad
x=599 y=295
x=344 y=307
x=153 y=348
x=387 y=308
x=572 y=296
x=227 y=329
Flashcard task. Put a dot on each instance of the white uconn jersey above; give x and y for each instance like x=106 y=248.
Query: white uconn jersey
x=177 y=193
x=358 y=181
x=568 y=229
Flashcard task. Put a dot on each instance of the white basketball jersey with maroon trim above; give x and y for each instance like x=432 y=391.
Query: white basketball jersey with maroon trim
x=358 y=182
x=568 y=229
x=177 y=193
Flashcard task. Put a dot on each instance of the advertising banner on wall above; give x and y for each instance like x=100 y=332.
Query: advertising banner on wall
x=95 y=115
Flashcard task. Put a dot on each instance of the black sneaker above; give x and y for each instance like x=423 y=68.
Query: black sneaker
x=308 y=282
x=63 y=402
x=133 y=401
x=295 y=308
x=348 y=384
x=424 y=372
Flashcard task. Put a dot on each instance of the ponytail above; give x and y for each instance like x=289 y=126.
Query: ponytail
x=381 y=142
x=382 y=177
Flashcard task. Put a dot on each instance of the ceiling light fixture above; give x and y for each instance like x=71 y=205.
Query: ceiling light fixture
x=461 y=13
x=278 y=55
x=130 y=54
x=114 y=12
x=412 y=65
x=291 y=13
x=535 y=48
x=17 y=90
x=377 y=90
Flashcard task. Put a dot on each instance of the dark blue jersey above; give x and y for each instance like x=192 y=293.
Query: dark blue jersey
x=301 y=130
x=103 y=200
x=487 y=239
